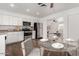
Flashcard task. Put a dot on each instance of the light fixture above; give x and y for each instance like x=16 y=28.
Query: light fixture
x=54 y=36
x=12 y=5
x=37 y=13
x=27 y=10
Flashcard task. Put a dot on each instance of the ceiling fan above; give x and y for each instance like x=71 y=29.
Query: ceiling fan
x=44 y=5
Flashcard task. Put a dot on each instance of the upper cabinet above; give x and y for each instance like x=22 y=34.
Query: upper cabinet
x=16 y=21
x=10 y=20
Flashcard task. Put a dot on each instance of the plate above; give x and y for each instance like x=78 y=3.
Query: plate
x=58 y=45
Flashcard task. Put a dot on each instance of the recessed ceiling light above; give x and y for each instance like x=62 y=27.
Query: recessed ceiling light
x=37 y=13
x=27 y=10
x=12 y=5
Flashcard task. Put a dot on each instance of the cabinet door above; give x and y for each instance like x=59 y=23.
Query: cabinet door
x=2 y=44
x=10 y=20
x=1 y=20
x=21 y=36
x=16 y=21
x=12 y=37
x=6 y=20
x=19 y=22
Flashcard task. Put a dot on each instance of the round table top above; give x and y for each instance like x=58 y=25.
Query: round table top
x=48 y=45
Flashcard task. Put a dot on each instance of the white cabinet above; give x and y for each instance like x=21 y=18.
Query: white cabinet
x=16 y=21
x=1 y=20
x=6 y=20
x=21 y=36
x=10 y=20
x=13 y=37
x=2 y=45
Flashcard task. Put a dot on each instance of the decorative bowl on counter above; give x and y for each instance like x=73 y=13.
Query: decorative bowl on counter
x=58 y=45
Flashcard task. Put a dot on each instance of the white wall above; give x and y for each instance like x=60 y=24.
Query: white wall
x=63 y=14
x=74 y=26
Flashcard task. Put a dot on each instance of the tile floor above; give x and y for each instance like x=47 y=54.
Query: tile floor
x=35 y=52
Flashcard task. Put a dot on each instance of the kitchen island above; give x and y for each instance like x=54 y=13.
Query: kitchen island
x=16 y=45
x=2 y=44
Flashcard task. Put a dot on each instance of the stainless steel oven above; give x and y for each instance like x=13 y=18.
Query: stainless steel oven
x=27 y=33
x=27 y=29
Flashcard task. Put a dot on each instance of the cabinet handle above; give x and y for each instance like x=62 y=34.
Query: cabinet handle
x=5 y=37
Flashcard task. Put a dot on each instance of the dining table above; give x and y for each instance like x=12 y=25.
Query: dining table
x=46 y=49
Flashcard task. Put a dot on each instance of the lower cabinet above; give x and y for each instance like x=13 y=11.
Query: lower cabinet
x=14 y=49
x=13 y=37
x=2 y=45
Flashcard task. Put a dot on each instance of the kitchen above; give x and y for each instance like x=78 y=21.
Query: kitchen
x=24 y=32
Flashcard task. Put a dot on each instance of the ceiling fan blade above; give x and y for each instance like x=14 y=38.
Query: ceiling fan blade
x=51 y=5
x=43 y=5
x=40 y=3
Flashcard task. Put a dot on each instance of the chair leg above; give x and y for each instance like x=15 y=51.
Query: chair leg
x=49 y=53
x=41 y=51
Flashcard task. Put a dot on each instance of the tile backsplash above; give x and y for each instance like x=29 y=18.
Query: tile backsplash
x=9 y=27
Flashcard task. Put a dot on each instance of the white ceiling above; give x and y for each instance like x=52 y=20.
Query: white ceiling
x=34 y=8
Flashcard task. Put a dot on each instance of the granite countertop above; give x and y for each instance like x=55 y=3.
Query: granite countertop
x=4 y=32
